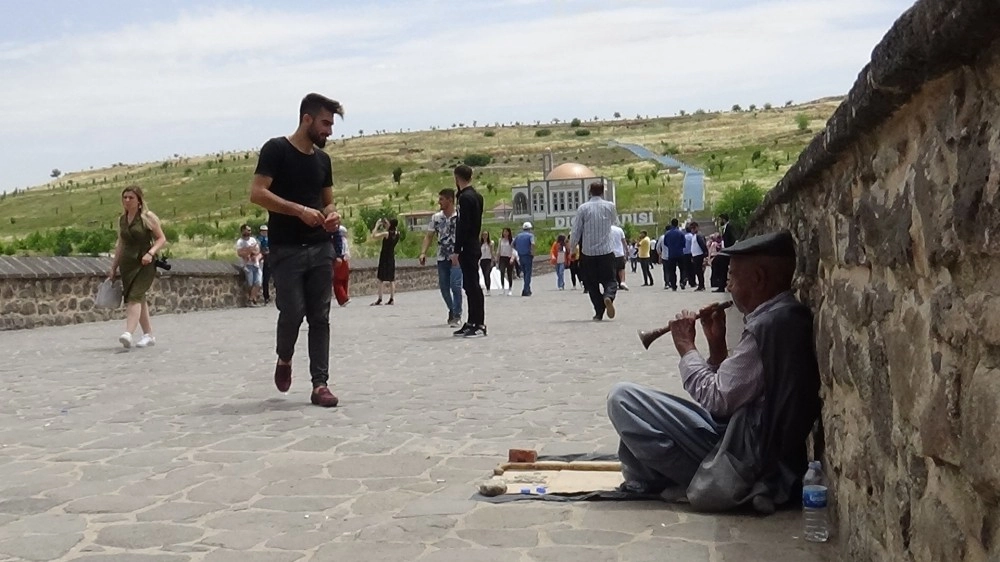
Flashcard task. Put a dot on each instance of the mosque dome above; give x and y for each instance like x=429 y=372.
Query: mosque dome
x=569 y=171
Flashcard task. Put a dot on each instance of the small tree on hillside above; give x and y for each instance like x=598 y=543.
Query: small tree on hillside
x=397 y=174
x=575 y=122
x=630 y=173
x=736 y=107
x=802 y=121
x=55 y=173
x=618 y=115
x=739 y=203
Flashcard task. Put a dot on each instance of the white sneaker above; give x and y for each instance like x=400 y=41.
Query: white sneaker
x=510 y=293
x=126 y=340
x=146 y=341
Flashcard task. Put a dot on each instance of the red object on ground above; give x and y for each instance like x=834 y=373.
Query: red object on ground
x=522 y=455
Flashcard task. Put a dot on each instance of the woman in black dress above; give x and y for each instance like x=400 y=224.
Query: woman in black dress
x=388 y=233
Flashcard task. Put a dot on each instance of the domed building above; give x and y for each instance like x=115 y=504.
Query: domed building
x=557 y=196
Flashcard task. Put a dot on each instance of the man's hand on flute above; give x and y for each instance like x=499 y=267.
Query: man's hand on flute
x=713 y=323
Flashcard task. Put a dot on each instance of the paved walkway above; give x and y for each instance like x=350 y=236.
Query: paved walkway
x=693 y=187
x=185 y=451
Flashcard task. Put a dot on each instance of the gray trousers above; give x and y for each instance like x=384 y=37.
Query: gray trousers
x=302 y=277
x=663 y=438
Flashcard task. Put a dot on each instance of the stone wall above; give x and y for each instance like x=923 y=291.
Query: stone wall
x=56 y=291
x=896 y=212
x=53 y=291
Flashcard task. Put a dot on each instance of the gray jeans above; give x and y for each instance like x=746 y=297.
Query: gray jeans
x=302 y=280
x=663 y=438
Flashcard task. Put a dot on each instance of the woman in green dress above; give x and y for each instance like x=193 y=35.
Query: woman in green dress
x=139 y=238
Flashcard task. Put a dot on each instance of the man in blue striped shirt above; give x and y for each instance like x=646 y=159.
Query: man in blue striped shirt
x=592 y=230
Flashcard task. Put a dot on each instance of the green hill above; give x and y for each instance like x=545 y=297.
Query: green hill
x=202 y=200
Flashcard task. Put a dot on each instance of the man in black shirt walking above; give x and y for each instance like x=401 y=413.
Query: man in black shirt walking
x=294 y=182
x=467 y=251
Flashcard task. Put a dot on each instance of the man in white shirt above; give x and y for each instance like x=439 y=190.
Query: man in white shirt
x=248 y=249
x=699 y=249
x=618 y=244
x=662 y=256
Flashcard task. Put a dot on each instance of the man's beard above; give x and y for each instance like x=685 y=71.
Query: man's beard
x=317 y=139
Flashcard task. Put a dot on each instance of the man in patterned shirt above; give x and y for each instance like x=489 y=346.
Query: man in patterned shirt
x=744 y=440
x=443 y=223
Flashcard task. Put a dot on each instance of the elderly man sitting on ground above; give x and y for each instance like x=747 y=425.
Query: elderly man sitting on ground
x=744 y=441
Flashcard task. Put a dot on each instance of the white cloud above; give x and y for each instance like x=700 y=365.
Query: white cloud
x=185 y=85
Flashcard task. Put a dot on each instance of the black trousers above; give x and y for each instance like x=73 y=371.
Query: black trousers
x=574 y=271
x=697 y=271
x=647 y=276
x=685 y=270
x=469 y=262
x=486 y=265
x=302 y=281
x=506 y=269
x=670 y=268
x=720 y=271
x=600 y=277
x=266 y=279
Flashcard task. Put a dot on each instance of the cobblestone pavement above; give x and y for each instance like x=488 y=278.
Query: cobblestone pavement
x=186 y=452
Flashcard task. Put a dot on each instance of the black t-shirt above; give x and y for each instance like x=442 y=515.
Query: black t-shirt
x=470 y=222
x=299 y=178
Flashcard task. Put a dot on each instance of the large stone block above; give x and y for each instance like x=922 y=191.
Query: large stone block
x=981 y=429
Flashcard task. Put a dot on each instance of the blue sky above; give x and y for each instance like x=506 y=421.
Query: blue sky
x=88 y=84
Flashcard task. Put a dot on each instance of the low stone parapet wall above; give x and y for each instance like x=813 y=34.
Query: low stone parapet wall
x=53 y=291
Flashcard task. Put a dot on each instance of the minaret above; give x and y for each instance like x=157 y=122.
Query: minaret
x=546 y=163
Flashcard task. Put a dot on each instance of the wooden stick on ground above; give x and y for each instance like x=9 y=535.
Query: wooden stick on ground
x=609 y=466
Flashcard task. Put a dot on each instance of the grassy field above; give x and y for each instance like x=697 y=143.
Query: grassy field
x=203 y=199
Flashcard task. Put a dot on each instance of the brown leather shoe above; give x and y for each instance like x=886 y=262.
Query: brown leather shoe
x=321 y=396
x=283 y=376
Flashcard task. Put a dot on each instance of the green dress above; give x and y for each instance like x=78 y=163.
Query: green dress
x=137 y=239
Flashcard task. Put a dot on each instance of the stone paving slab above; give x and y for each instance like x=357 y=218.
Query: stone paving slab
x=186 y=452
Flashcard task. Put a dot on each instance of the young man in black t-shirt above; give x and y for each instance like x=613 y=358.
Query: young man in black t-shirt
x=467 y=251
x=294 y=182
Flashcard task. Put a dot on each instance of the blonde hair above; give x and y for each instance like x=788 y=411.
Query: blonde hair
x=144 y=212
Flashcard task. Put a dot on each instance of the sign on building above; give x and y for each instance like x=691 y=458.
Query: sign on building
x=639 y=219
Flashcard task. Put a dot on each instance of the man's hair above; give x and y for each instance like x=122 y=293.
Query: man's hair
x=463 y=172
x=724 y=216
x=643 y=232
x=244 y=227
x=447 y=193
x=597 y=188
x=313 y=103
x=673 y=222
x=693 y=224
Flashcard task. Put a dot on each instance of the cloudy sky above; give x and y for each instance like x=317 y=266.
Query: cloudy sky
x=92 y=83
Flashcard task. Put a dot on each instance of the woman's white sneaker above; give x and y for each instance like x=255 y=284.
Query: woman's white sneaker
x=146 y=341
x=126 y=340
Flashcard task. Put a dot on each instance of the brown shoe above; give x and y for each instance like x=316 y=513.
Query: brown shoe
x=321 y=396
x=283 y=376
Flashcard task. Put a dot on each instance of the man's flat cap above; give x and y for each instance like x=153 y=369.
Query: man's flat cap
x=776 y=244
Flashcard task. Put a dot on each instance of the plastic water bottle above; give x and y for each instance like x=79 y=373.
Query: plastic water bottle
x=814 y=498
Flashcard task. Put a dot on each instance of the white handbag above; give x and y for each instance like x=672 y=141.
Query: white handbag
x=109 y=294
